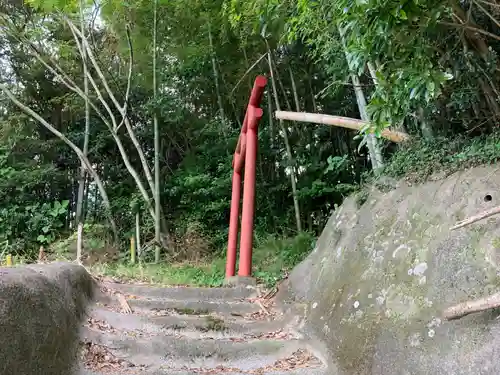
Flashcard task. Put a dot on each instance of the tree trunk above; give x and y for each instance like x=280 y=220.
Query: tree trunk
x=425 y=129
x=156 y=192
x=371 y=140
x=294 y=89
x=79 y=219
x=85 y=208
x=122 y=109
x=66 y=80
x=138 y=234
x=288 y=148
x=216 y=78
x=313 y=99
x=247 y=65
x=271 y=122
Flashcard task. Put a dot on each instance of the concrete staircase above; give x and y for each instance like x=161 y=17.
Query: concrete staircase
x=188 y=331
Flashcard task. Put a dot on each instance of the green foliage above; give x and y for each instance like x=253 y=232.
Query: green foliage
x=55 y=5
x=96 y=240
x=419 y=160
x=39 y=223
x=184 y=274
x=430 y=79
x=273 y=259
x=400 y=35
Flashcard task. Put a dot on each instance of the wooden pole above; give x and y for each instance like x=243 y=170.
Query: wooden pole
x=344 y=122
x=248 y=210
x=132 y=250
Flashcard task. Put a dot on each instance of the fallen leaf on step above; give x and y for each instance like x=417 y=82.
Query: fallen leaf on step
x=99 y=358
x=299 y=359
x=100 y=325
x=276 y=335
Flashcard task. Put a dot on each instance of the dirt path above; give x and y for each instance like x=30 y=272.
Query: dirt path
x=187 y=331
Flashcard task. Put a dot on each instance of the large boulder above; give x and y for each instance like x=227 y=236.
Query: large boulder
x=375 y=287
x=41 y=311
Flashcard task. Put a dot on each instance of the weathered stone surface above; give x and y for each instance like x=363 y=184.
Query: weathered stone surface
x=240 y=281
x=41 y=311
x=375 y=286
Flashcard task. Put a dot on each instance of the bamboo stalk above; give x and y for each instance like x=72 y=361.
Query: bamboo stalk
x=132 y=250
x=344 y=122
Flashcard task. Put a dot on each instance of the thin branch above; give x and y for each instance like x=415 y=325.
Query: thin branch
x=122 y=150
x=343 y=83
x=487 y=13
x=63 y=77
x=248 y=71
x=129 y=76
x=83 y=54
x=280 y=82
x=126 y=309
x=70 y=84
x=288 y=149
x=97 y=68
x=483 y=215
x=122 y=109
x=469 y=307
x=476 y=29
x=488 y=3
x=130 y=130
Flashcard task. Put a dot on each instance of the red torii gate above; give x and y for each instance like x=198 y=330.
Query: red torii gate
x=245 y=154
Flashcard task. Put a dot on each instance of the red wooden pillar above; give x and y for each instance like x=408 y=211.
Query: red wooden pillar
x=246 y=242
x=232 y=242
x=233 y=222
x=246 y=153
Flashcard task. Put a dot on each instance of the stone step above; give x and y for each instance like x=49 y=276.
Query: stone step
x=192 y=307
x=184 y=353
x=187 y=325
x=191 y=331
x=298 y=371
x=184 y=293
x=183 y=306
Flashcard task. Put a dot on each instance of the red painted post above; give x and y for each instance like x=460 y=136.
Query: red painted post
x=245 y=154
x=257 y=91
x=232 y=241
x=246 y=242
x=242 y=153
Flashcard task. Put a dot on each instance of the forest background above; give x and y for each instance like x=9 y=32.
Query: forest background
x=122 y=117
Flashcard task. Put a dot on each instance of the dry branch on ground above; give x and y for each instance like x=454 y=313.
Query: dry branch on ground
x=469 y=307
x=483 y=215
